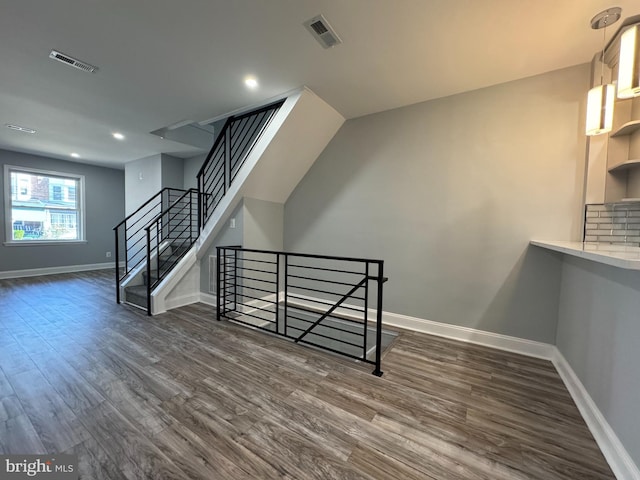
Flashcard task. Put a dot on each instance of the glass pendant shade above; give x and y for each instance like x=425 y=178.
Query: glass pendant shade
x=629 y=65
x=600 y=109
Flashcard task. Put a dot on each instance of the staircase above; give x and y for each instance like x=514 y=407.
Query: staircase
x=154 y=238
x=155 y=244
x=137 y=294
x=262 y=153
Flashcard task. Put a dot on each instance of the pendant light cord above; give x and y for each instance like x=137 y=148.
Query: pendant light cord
x=604 y=37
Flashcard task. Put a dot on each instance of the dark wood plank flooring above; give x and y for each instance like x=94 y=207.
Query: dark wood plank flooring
x=182 y=396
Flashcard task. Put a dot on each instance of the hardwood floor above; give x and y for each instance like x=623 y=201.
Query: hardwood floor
x=182 y=396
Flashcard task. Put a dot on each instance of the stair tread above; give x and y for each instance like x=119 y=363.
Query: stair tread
x=136 y=289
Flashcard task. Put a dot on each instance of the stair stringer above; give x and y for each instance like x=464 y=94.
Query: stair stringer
x=295 y=138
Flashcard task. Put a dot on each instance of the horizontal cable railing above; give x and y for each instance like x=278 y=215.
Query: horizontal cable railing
x=228 y=154
x=130 y=237
x=164 y=227
x=169 y=236
x=319 y=300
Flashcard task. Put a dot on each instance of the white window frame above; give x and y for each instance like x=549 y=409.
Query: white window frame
x=80 y=199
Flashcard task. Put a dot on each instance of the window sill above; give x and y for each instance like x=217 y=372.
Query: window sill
x=43 y=242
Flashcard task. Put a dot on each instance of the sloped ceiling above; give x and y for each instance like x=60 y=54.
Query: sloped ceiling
x=164 y=61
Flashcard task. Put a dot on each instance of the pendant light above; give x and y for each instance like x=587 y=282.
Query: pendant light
x=629 y=65
x=600 y=98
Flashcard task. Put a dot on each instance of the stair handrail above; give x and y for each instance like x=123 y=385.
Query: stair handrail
x=166 y=210
x=227 y=160
x=178 y=203
x=154 y=201
x=231 y=119
x=236 y=146
x=147 y=203
x=216 y=144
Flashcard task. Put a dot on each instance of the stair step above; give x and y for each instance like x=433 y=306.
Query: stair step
x=170 y=259
x=175 y=255
x=154 y=276
x=137 y=295
x=140 y=290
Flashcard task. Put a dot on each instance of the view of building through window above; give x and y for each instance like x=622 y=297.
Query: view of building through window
x=44 y=206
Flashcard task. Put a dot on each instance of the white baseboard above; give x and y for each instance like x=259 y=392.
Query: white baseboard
x=522 y=346
x=612 y=448
x=36 y=272
x=208 y=299
x=617 y=456
x=455 y=332
x=257 y=304
x=250 y=307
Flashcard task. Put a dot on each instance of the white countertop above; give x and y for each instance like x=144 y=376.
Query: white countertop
x=616 y=255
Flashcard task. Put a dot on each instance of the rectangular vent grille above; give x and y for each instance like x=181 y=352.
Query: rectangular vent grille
x=73 y=62
x=19 y=128
x=319 y=27
x=322 y=31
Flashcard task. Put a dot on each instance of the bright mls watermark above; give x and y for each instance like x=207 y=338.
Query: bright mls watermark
x=49 y=467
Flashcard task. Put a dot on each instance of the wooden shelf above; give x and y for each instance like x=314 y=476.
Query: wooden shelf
x=627 y=129
x=634 y=162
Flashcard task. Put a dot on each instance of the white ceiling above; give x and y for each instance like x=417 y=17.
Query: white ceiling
x=164 y=61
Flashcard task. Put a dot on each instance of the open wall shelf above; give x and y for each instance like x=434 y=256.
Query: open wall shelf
x=633 y=162
x=622 y=153
x=627 y=129
x=613 y=159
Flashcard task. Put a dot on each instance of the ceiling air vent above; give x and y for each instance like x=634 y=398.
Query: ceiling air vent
x=20 y=128
x=73 y=62
x=322 y=31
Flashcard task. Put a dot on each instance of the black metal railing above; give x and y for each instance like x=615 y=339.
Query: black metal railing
x=169 y=236
x=130 y=237
x=167 y=224
x=318 y=300
x=229 y=152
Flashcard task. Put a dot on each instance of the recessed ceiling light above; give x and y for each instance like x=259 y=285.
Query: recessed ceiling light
x=118 y=136
x=75 y=155
x=251 y=82
x=19 y=128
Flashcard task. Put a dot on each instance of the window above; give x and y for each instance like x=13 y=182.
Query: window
x=23 y=187
x=43 y=206
x=56 y=193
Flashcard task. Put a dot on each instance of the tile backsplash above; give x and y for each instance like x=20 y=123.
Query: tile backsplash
x=618 y=224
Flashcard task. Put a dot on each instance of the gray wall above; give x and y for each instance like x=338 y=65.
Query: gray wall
x=227 y=236
x=258 y=225
x=104 y=203
x=147 y=176
x=143 y=179
x=263 y=224
x=172 y=172
x=599 y=335
x=191 y=168
x=449 y=192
